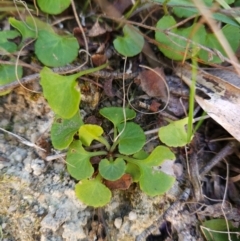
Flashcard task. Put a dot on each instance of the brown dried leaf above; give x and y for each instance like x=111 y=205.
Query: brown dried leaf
x=44 y=142
x=152 y=83
x=78 y=35
x=96 y=30
x=154 y=107
x=122 y=184
x=99 y=59
x=108 y=88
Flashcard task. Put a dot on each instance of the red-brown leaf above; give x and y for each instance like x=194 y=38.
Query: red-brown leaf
x=122 y=184
x=152 y=83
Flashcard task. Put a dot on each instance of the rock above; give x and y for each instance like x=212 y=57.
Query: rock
x=53 y=222
x=73 y=231
x=118 y=222
x=132 y=216
x=38 y=166
x=18 y=155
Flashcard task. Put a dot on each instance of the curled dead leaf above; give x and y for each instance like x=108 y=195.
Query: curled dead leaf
x=153 y=84
x=78 y=35
x=99 y=59
x=96 y=30
x=108 y=88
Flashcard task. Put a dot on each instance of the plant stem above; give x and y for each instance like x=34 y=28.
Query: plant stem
x=88 y=71
x=128 y=159
x=191 y=100
x=114 y=146
x=98 y=153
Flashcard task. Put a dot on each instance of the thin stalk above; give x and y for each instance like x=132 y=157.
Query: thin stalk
x=113 y=147
x=191 y=100
x=134 y=7
x=128 y=159
x=89 y=71
x=98 y=153
x=114 y=133
x=200 y=121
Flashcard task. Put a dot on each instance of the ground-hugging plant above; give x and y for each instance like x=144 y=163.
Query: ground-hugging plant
x=121 y=153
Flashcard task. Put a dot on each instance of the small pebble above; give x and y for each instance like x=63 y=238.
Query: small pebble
x=4 y=123
x=118 y=223
x=4 y=225
x=38 y=166
x=132 y=216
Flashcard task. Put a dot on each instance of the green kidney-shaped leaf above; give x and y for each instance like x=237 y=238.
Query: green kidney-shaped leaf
x=88 y=133
x=61 y=92
x=78 y=161
x=63 y=130
x=158 y=156
x=54 y=50
x=115 y=114
x=231 y=33
x=93 y=193
x=174 y=47
x=7 y=74
x=112 y=170
x=53 y=6
x=131 y=43
x=5 y=45
x=174 y=134
x=132 y=139
x=154 y=182
x=214 y=225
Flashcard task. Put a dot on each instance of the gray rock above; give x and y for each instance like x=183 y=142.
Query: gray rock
x=38 y=166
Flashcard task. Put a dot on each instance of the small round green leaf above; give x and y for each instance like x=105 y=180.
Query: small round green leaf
x=5 y=44
x=88 y=133
x=131 y=43
x=154 y=182
x=112 y=170
x=7 y=74
x=93 y=193
x=218 y=230
x=132 y=139
x=78 y=161
x=115 y=114
x=54 y=50
x=53 y=6
x=63 y=130
x=174 y=47
x=61 y=92
x=174 y=134
x=231 y=33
